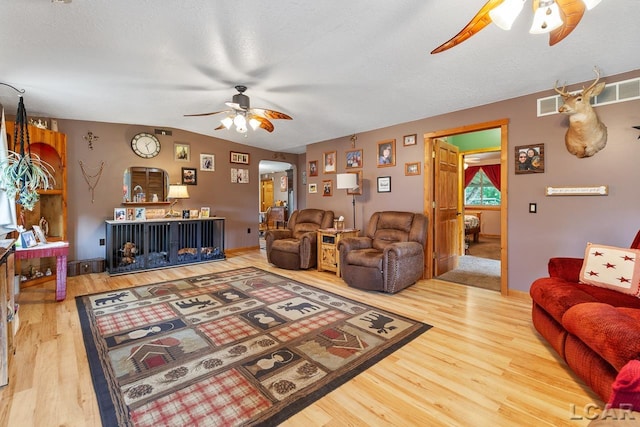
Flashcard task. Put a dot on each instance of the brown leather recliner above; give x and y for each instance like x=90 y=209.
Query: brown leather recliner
x=390 y=255
x=295 y=247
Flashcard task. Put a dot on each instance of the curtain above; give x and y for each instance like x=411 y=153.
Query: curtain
x=469 y=173
x=8 y=221
x=493 y=173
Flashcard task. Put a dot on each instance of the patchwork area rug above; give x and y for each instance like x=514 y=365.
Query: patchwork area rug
x=242 y=347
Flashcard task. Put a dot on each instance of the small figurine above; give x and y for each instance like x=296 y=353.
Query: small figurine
x=44 y=226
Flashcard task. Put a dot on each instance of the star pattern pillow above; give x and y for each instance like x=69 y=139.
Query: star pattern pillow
x=612 y=268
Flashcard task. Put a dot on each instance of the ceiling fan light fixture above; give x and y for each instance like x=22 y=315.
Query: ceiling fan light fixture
x=255 y=124
x=505 y=14
x=546 y=18
x=590 y=4
x=227 y=122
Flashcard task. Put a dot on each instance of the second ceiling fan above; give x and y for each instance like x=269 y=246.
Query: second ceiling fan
x=241 y=114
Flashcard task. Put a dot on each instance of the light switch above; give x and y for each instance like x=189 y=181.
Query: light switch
x=533 y=208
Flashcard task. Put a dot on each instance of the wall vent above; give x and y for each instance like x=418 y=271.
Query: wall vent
x=626 y=90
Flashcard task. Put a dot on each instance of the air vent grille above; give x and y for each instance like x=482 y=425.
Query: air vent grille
x=626 y=90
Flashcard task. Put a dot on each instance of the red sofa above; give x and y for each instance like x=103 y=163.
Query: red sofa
x=595 y=330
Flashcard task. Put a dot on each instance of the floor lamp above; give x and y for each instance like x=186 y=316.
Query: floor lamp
x=348 y=181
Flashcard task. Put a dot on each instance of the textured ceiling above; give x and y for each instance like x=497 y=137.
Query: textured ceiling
x=337 y=67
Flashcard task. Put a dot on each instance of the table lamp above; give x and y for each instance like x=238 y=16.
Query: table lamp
x=176 y=192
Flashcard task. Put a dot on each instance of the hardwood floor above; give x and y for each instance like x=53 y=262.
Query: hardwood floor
x=482 y=364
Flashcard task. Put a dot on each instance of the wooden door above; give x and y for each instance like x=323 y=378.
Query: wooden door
x=266 y=194
x=446 y=176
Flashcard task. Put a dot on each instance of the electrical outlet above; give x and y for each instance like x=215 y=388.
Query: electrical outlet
x=248 y=230
x=101 y=242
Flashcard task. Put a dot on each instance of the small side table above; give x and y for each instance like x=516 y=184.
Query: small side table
x=60 y=250
x=328 y=255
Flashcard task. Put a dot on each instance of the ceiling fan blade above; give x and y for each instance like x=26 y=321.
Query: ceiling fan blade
x=571 y=12
x=207 y=114
x=477 y=23
x=220 y=127
x=270 y=114
x=264 y=123
x=234 y=105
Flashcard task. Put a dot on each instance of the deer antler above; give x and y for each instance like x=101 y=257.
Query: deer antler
x=562 y=92
x=595 y=69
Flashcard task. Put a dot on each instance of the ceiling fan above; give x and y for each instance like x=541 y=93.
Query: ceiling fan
x=556 y=17
x=240 y=114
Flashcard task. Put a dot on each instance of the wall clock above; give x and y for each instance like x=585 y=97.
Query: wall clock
x=145 y=145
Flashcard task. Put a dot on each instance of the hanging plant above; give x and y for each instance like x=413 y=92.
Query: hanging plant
x=23 y=173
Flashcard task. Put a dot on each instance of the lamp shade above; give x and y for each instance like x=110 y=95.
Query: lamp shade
x=346 y=180
x=506 y=13
x=546 y=18
x=178 y=192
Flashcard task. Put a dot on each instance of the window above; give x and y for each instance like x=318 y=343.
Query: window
x=481 y=192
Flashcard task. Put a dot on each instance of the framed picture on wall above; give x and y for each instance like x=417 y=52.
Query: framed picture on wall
x=384 y=184
x=329 y=162
x=410 y=140
x=327 y=187
x=412 y=168
x=387 y=153
x=354 y=159
x=313 y=168
x=529 y=159
x=189 y=176
x=241 y=158
x=181 y=152
x=207 y=162
x=313 y=188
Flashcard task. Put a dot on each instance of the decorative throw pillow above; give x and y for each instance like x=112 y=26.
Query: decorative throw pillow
x=612 y=268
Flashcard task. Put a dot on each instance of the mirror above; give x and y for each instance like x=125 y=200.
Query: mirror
x=145 y=185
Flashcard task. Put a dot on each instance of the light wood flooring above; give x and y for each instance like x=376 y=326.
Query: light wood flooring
x=482 y=364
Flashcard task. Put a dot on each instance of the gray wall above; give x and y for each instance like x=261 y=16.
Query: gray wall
x=238 y=203
x=562 y=226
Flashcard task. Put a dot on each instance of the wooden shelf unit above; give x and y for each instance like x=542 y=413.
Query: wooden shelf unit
x=51 y=147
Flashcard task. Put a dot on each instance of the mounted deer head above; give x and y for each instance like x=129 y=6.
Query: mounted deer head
x=586 y=134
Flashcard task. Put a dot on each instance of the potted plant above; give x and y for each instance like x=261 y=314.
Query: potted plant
x=22 y=173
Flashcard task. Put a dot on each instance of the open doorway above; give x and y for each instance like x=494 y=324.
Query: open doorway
x=441 y=192
x=276 y=195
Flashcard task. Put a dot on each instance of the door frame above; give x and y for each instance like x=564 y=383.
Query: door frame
x=429 y=193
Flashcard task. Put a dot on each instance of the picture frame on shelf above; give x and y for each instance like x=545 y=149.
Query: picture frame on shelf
x=529 y=159
x=412 y=168
x=194 y=213
x=186 y=213
x=327 y=188
x=386 y=153
x=205 y=212
x=181 y=152
x=119 y=214
x=189 y=176
x=313 y=188
x=356 y=191
x=239 y=158
x=130 y=214
x=140 y=214
x=410 y=139
x=384 y=184
x=207 y=162
x=329 y=162
x=313 y=168
x=39 y=234
x=353 y=159
x=28 y=239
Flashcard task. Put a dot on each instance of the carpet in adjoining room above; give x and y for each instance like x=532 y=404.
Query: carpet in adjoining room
x=242 y=347
x=474 y=271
